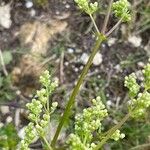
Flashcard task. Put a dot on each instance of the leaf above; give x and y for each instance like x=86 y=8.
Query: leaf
x=7 y=57
x=8 y=137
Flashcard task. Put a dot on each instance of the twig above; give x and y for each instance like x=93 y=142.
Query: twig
x=62 y=67
x=107 y=17
x=94 y=23
x=47 y=60
x=111 y=131
x=113 y=28
x=141 y=147
x=3 y=64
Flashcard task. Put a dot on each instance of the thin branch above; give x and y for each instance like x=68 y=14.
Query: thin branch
x=97 y=30
x=47 y=144
x=62 y=67
x=107 y=17
x=113 y=28
x=3 y=64
x=141 y=147
x=111 y=131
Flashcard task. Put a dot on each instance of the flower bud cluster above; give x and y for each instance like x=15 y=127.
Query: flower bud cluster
x=46 y=81
x=121 y=10
x=131 y=84
x=53 y=107
x=37 y=107
x=89 y=8
x=146 y=73
x=138 y=106
x=139 y=101
x=30 y=135
x=117 y=135
x=43 y=123
x=88 y=122
x=75 y=142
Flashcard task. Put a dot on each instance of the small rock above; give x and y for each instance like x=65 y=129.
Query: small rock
x=18 y=92
x=76 y=69
x=111 y=41
x=97 y=59
x=1 y=124
x=84 y=58
x=139 y=74
x=141 y=64
x=107 y=95
x=5 y=17
x=67 y=6
x=118 y=68
x=81 y=67
x=9 y=119
x=70 y=50
x=21 y=133
x=66 y=63
x=29 y=4
x=32 y=12
x=135 y=40
x=109 y=103
x=103 y=45
x=4 y=109
x=57 y=12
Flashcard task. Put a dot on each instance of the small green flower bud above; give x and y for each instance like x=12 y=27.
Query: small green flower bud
x=131 y=84
x=121 y=10
x=146 y=73
x=87 y=7
x=116 y=136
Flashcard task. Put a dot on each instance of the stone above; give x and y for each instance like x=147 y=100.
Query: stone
x=135 y=40
x=97 y=59
x=5 y=16
x=84 y=58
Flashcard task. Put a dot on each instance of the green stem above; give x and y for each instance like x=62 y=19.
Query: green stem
x=97 y=30
x=111 y=131
x=70 y=103
x=107 y=17
x=47 y=144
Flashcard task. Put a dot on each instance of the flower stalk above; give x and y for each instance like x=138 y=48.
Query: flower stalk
x=71 y=101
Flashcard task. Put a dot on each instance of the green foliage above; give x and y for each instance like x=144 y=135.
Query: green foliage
x=6 y=92
x=40 y=112
x=121 y=10
x=7 y=57
x=41 y=3
x=8 y=137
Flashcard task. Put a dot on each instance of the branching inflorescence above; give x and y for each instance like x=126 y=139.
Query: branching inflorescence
x=140 y=101
x=87 y=123
x=121 y=10
x=40 y=112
